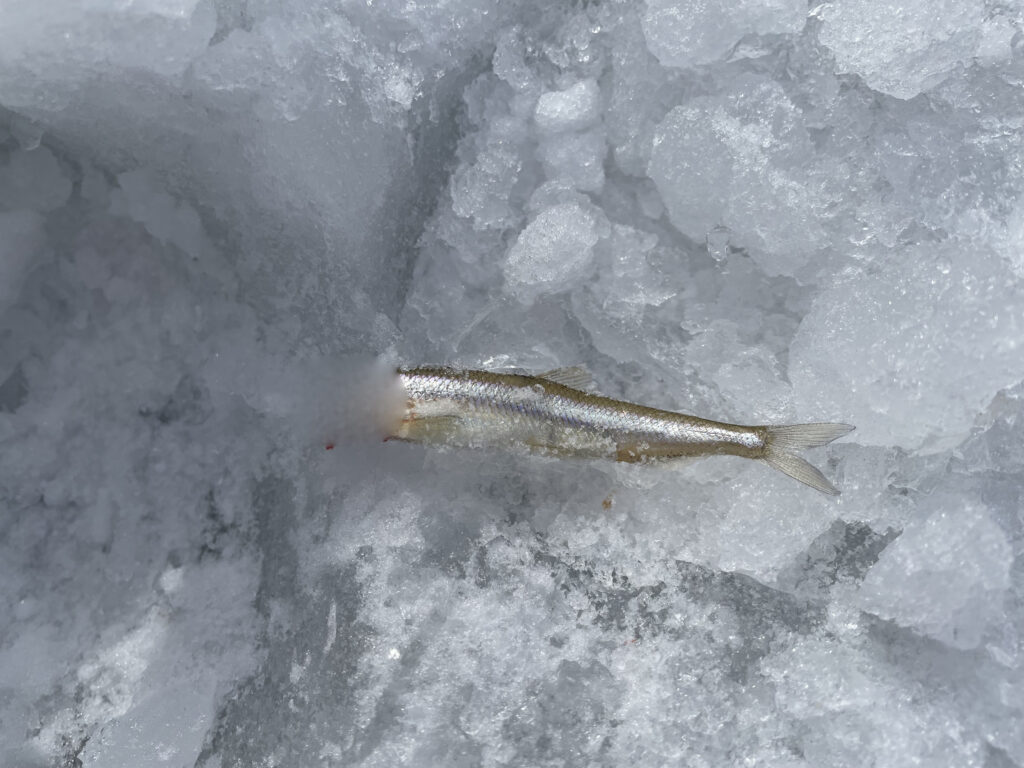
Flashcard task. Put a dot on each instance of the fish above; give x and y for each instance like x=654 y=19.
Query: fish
x=554 y=414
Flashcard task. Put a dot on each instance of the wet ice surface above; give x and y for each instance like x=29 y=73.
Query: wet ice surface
x=213 y=215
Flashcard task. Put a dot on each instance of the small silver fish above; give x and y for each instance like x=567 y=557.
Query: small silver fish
x=551 y=414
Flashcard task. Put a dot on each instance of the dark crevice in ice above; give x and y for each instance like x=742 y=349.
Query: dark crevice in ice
x=437 y=125
x=622 y=606
x=998 y=758
x=230 y=16
x=560 y=716
x=303 y=687
x=189 y=404
x=843 y=553
x=763 y=613
x=13 y=391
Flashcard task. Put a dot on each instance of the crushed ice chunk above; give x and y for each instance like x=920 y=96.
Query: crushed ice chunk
x=717 y=240
x=683 y=34
x=913 y=46
x=28 y=133
x=847 y=704
x=167 y=219
x=767 y=521
x=112 y=675
x=21 y=240
x=33 y=180
x=482 y=190
x=577 y=158
x=171 y=579
x=571 y=109
x=910 y=351
x=945 y=576
x=735 y=160
x=554 y=251
x=158 y=36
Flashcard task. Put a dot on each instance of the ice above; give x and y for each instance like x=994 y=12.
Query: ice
x=959 y=303
x=574 y=108
x=554 y=250
x=66 y=43
x=748 y=181
x=165 y=218
x=21 y=240
x=577 y=158
x=224 y=223
x=914 y=45
x=684 y=35
x=946 y=576
x=848 y=707
x=33 y=180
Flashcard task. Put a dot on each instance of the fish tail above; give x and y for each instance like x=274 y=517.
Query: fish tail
x=782 y=443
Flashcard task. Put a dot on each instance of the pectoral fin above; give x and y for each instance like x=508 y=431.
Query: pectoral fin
x=428 y=429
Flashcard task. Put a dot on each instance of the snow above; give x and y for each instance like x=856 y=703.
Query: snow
x=222 y=224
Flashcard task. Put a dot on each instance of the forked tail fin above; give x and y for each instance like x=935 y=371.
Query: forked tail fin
x=784 y=442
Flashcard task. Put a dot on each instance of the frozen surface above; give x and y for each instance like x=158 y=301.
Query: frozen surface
x=683 y=34
x=913 y=46
x=220 y=222
x=958 y=301
x=945 y=577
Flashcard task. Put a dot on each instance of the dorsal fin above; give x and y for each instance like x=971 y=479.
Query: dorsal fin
x=576 y=376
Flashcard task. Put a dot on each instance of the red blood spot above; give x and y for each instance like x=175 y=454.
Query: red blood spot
x=329 y=447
